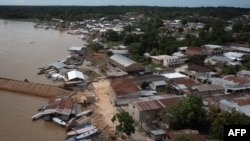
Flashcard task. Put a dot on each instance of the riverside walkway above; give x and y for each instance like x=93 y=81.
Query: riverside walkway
x=31 y=88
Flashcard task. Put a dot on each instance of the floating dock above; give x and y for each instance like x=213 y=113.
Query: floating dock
x=31 y=88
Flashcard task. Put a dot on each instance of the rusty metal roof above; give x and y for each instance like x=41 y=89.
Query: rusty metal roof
x=155 y=104
x=123 y=86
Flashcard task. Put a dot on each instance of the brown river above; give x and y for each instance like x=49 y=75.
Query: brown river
x=23 y=49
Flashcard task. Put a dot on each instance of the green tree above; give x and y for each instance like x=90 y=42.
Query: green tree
x=197 y=59
x=112 y=35
x=126 y=123
x=187 y=113
x=184 y=137
x=227 y=118
x=95 y=46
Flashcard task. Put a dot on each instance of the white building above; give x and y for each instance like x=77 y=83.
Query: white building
x=168 y=61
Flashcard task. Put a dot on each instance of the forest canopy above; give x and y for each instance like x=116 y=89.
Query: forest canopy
x=86 y=12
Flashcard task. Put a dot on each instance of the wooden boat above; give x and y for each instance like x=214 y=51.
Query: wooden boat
x=83 y=113
x=80 y=131
x=59 y=121
x=37 y=116
x=87 y=134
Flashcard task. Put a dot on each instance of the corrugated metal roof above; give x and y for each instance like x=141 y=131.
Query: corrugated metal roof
x=75 y=74
x=158 y=132
x=123 y=86
x=125 y=61
x=155 y=103
x=206 y=87
x=75 y=48
x=115 y=51
x=159 y=83
x=221 y=58
x=244 y=49
x=244 y=72
x=58 y=65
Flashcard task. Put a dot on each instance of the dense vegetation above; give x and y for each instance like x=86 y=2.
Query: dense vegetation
x=85 y=12
x=189 y=113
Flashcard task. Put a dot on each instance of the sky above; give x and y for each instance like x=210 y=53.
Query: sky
x=165 y=3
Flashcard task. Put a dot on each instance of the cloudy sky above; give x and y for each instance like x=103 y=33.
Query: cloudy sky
x=166 y=3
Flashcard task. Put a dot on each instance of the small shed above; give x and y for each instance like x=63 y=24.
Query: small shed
x=75 y=75
x=58 y=65
x=157 y=135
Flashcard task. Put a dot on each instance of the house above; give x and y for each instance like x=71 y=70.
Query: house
x=149 y=79
x=181 y=56
x=191 y=50
x=123 y=90
x=234 y=55
x=156 y=85
x=168 y=61
x=158 y=59
x=171 y=135
x=146 y=109
x=182 y=86
x=157 y=135
x=232 y=83
x=173 y=75
x=206 y=90
x=213 y=60
x=77 y=50
x=198 y=73
x=125 y=64
x=244 y=50
x=59 y=106
x=244 y=73
x=75 y=76
x=119 y=51
x=210 y=50
x=57 y=65
x=241 y=104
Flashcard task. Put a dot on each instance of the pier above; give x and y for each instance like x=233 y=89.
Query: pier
x=31 y=88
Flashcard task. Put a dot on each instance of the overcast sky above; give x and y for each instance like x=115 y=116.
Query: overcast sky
x=166 y=3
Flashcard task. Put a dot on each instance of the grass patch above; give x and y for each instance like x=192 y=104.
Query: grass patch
x=92 y=74
x=111 y=44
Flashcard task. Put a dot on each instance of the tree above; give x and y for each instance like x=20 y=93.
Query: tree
x=126 y=123
x=112 y=35
x=227 y=118
x=184 y=137
x=187 y=113
x=197 y=59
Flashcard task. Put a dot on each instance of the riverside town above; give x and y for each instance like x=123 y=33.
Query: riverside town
x=139 y=73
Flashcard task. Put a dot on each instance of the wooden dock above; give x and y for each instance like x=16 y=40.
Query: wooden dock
x=31 y=88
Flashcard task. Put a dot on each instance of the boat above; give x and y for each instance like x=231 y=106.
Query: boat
x=73 y=138
x=87 y=134
x=80 y=131
x=37 y=116
x=59 y=121
x=83 y=113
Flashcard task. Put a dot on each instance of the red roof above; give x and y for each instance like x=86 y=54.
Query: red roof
x=197 y=68
x=193 y=50
x=123 y=86
x=194 y=133
x=241 y=101
x=235 y=79
x=60 y=102
x=157 y=103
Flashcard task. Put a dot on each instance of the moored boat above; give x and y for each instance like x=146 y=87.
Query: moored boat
x=87 y=134
x=59 y=121
x=80 y=131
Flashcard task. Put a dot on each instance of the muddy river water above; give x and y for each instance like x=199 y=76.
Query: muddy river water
x=23 y=49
